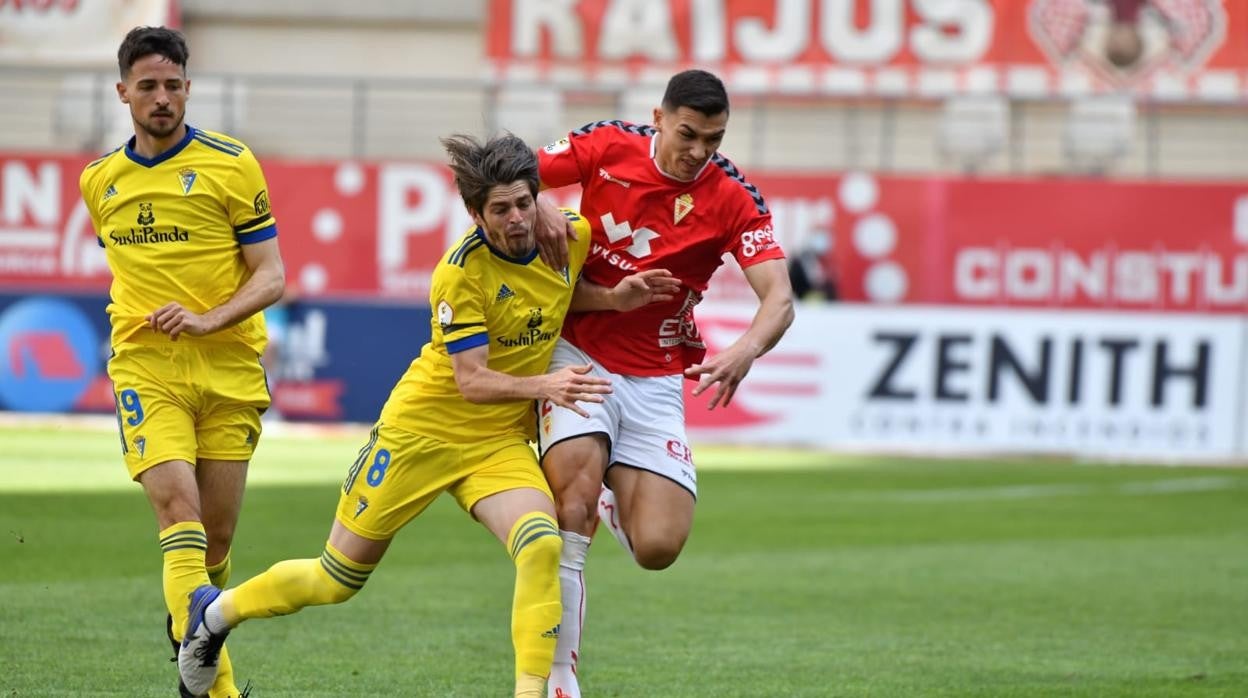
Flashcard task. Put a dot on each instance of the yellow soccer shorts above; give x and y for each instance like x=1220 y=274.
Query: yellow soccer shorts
x=398 y=474
x=187 y=400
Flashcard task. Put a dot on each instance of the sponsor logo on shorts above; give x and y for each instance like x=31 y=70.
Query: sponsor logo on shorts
x=680 y=451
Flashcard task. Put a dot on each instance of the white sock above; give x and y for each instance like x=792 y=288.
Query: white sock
x=609 y=515
x=214 y=619
x=563 y=683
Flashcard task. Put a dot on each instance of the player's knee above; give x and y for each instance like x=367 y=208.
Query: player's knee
x=656 y=551
x=173 y=506
x=576 y=512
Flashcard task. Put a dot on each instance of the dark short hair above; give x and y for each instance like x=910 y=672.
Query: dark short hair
x=479 y=167
x=145 y=41
x=697 y=89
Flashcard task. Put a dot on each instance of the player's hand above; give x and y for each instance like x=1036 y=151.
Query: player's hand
x=643 y=288
x=173 y=320
x=552 y=230
x=572 y=384
x=725 y=370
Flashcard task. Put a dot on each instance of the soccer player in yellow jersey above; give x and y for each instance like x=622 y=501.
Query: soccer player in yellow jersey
x=459 y=421
x=183 y=217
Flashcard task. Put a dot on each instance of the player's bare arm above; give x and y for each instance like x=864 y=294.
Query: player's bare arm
x=262 y=289
x=632 y=292
x=726 y=370
x=478 y=383
x=552 y=231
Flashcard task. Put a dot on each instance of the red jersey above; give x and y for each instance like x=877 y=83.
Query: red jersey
x=644 y=219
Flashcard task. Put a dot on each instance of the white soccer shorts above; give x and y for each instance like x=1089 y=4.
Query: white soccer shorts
x=643 y=419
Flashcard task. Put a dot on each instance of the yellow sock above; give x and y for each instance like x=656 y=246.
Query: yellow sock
x=530 y=686
x=219 y=574
x=294 y=584
x=224 y=686
x=183 y=546
x=534 y=545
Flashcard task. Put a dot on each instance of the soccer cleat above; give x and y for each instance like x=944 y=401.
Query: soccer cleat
x=609 y=515
x=183 y=691
x=197 y=658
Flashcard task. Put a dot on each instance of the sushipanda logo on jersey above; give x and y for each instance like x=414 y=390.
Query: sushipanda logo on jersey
x=187 y=177
x=147 y=233
x=558 y=146
x=533 y=335
x=261 y=202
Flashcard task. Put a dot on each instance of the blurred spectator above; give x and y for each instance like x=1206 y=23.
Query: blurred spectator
x=1123 y=44
x=807 y=272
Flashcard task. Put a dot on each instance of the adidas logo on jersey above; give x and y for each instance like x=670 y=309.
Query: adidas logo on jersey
x=504 y=293
x=109 y=193
x=552 y=633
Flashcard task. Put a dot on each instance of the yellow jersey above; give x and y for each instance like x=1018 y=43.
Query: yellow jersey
x=172 y=228
x=482 y=297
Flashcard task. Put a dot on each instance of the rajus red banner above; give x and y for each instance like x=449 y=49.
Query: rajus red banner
x=1171 y=49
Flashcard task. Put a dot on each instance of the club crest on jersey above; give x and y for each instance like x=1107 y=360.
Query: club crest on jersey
x=146 y=215
x=446 y=314
x=684 y=204
x=140 y=445
x=187 y=176
x=360 y=505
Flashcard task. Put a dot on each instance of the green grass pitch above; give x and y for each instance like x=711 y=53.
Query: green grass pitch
x=806 y=575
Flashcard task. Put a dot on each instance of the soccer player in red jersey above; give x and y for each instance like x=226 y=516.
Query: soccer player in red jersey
x=656 y=197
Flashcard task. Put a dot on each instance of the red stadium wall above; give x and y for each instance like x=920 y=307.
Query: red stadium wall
x=353 y=229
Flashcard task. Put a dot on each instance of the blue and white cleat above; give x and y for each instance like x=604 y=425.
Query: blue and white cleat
x=197 y=658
